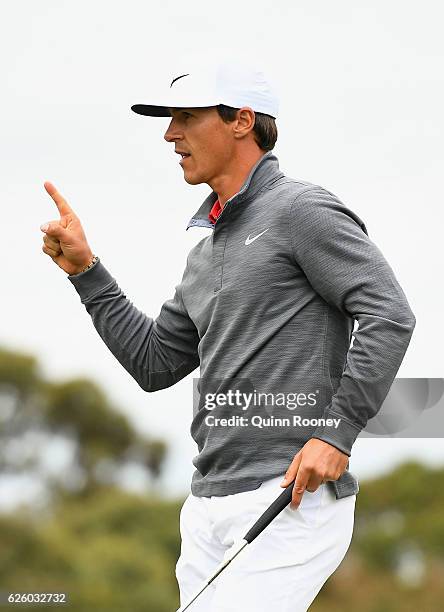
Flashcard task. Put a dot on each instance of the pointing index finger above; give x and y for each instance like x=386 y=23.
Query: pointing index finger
x=61 y=203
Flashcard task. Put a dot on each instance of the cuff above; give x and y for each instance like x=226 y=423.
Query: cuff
x=338 y=432
x=90 y=282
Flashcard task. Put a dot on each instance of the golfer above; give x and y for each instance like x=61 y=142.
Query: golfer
x=266 y=308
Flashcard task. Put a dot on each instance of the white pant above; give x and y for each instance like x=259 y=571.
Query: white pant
x=283 y=569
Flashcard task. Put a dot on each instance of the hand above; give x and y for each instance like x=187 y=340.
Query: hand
x=316 y=463
x=65 y=241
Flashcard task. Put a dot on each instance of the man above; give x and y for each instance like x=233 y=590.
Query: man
x=266 y=305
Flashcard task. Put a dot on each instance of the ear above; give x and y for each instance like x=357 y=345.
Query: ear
x=245 y=122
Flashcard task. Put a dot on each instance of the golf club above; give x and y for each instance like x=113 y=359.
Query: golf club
x=265 y=519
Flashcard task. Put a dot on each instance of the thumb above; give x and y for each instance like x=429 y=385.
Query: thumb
x=54 y=229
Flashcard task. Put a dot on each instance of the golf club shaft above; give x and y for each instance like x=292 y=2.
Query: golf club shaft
x=262 y=522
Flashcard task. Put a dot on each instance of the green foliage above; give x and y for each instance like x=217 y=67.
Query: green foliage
x=115 y=552
x=19 y=370
x=77 y=411
x=106 y=549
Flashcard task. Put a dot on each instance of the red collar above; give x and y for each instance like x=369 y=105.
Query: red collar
x=215 y=212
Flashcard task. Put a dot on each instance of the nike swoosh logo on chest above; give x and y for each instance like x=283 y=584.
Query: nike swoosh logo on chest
x=249 y=240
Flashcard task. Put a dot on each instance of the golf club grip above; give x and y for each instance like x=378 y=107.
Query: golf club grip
x=270 y=513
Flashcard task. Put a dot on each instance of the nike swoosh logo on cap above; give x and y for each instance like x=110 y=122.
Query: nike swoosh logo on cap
x=250 y=240
x=177 y=78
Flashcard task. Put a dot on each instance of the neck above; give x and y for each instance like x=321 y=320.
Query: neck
x=230 y=183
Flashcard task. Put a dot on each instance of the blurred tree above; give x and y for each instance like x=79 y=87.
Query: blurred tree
x=34 y=413
x=112 y=552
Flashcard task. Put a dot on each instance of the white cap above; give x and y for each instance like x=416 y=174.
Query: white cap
x=231 y=81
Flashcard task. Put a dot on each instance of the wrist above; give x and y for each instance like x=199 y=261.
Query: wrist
x=92 y=260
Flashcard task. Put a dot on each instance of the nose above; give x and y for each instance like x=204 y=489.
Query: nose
x=172 y=132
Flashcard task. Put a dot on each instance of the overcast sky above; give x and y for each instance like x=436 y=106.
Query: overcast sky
x=361 y=87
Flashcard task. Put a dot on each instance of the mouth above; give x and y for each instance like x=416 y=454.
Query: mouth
x=184 y=156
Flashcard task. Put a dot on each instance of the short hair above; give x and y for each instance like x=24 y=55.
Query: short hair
x=264 y=130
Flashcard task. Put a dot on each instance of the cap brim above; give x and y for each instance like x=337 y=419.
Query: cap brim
x=151 y=110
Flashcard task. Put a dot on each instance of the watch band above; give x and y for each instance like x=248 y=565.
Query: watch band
x=90 y=265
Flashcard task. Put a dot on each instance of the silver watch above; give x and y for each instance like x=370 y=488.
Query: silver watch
x=90 y=265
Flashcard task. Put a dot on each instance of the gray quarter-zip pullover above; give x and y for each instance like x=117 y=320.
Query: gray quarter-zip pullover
x=266 y=305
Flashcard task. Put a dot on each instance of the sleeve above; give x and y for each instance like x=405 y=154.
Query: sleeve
x=156 y=353
x=331 y=245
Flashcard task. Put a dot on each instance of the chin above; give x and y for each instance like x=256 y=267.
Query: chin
x=191 y=180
